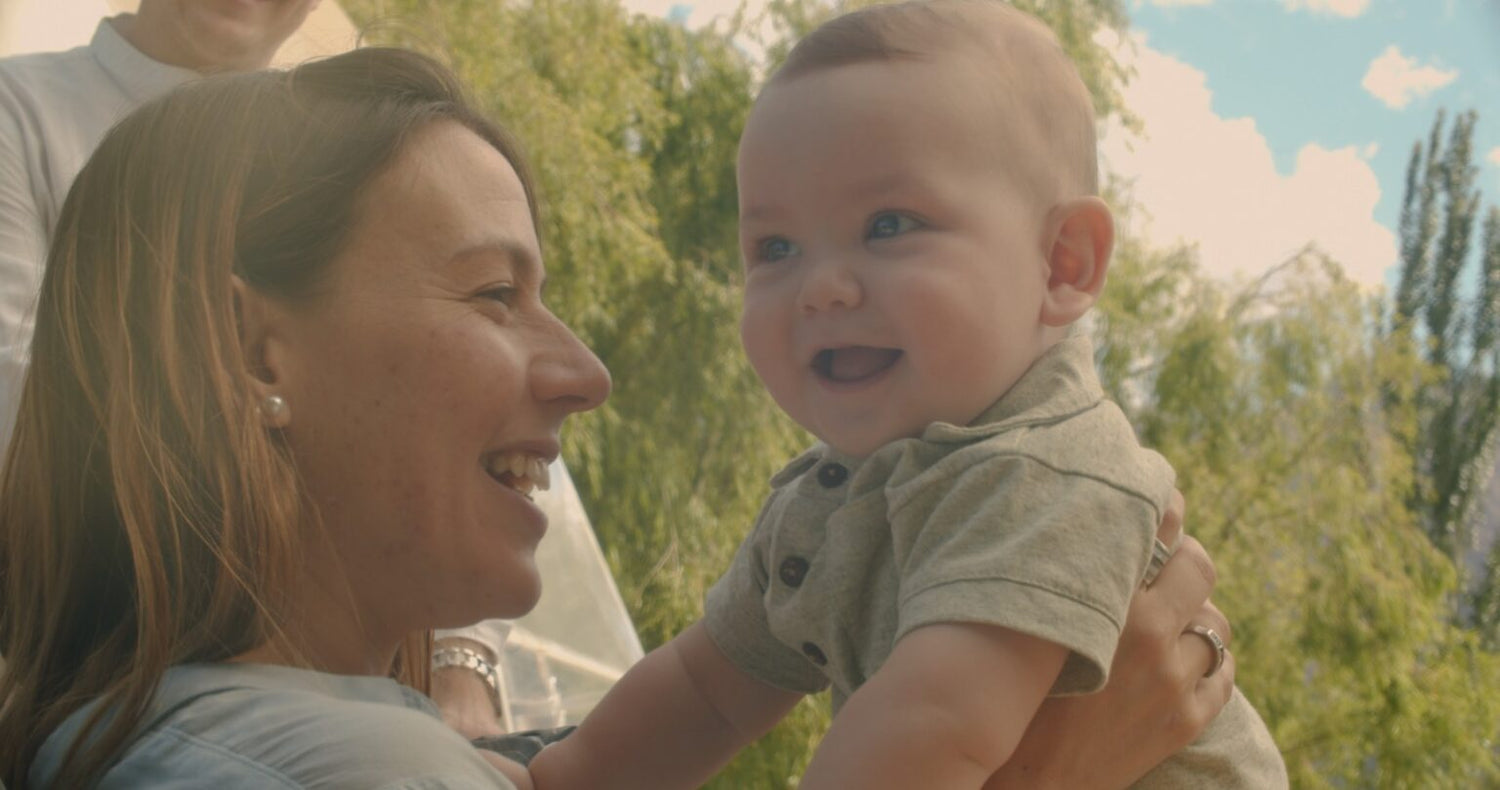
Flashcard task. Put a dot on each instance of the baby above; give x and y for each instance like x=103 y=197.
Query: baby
x=921 y=230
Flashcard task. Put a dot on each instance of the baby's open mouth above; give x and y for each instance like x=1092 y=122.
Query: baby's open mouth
x=522 y=471
x=854 y=363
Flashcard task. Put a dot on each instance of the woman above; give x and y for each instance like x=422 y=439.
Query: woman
x=291 y=384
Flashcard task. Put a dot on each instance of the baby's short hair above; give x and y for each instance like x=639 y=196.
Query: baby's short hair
x=1037 y=84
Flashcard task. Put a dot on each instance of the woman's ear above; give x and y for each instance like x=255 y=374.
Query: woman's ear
x=1080 y=237
x=264 y=376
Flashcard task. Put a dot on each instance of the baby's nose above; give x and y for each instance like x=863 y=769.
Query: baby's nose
x=829 y=284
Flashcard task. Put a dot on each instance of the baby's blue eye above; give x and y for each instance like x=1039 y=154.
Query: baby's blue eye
x=891 y=223
x=776 y=248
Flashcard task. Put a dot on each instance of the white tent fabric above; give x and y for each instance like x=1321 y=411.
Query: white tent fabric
x=561 y=658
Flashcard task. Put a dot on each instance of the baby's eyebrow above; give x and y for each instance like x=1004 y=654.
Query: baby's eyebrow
x=757 y=214
x=883 y=184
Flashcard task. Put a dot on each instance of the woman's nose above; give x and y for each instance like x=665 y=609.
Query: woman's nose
x=568 y=374
x=829 y=284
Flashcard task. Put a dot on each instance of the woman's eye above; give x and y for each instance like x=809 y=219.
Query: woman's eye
x=775 y=249
x=891 y=223
x=504 y=294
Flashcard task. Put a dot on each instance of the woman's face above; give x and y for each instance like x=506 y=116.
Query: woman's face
x=422 y=380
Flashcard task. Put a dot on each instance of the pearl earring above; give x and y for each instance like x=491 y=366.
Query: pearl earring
x=273 y=410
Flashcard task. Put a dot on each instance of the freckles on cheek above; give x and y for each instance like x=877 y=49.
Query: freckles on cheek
x=452 y=365
x=413 y=519
x=415 y=387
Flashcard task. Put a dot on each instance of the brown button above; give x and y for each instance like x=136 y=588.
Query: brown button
x=792 y=571
x=814 y=654
x=832 y=475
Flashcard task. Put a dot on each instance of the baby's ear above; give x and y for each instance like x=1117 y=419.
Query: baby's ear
x=1080 y=236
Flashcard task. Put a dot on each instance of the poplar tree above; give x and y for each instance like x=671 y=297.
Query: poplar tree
x=1483 y=608
x=1447 y=312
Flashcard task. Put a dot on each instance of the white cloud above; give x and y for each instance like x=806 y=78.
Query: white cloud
x=1396 y=79
x=1170 y=3
x=1344 y=8
x=1213 y=182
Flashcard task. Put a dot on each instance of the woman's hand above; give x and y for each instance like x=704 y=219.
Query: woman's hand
x=1157 y=699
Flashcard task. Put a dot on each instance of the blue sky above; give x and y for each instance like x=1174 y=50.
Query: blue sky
x=1361 y=75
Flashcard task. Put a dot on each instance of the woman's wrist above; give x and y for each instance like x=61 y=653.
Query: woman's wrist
x=463 y=654
x=467 y=688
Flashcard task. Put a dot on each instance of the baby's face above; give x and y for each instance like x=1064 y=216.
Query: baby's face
x=894 y=270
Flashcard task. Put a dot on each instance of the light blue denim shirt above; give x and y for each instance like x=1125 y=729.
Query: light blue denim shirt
x=234 y=726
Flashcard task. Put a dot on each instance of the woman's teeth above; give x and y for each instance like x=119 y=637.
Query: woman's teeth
x=522 y=471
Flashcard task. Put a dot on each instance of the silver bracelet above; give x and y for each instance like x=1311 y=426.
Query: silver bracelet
x=470 y=659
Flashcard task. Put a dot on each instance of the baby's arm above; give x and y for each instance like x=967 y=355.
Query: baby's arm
x=514 y=771
x=945 y=710
x=675 y=718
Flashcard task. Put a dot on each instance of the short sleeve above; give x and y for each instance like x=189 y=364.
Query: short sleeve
x=1005 y=539
x=1236 y=752
x=736 y=619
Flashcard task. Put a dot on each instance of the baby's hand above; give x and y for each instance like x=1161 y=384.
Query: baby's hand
x=514 y=771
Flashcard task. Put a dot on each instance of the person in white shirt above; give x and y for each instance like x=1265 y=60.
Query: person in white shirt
x=56 y=106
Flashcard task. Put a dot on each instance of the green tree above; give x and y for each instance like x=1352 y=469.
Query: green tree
x=1269 y=402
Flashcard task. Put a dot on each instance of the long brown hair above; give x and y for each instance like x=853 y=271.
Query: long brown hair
x=147 y=515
